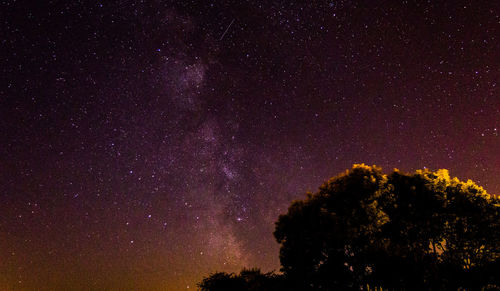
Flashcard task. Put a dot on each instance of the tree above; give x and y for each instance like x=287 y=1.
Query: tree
x=404 y=231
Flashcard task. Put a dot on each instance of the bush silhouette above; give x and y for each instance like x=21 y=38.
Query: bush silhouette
x=247 y=280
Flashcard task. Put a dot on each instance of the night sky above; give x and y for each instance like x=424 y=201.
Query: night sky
x=145 y=144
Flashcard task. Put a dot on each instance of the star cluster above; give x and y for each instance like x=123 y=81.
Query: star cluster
x=145 y=144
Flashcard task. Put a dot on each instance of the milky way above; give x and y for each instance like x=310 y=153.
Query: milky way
x=145 y=144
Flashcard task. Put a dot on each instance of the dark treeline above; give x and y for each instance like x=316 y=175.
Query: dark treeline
x=418 y=231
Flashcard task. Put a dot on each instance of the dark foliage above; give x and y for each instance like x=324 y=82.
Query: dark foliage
x=247 y=280
x=419 y=231
x=399 y=231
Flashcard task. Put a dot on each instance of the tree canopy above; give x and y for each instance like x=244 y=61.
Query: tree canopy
x=413 y=231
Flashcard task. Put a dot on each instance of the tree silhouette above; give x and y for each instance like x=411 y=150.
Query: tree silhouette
x=418 y=231
x=404 y=231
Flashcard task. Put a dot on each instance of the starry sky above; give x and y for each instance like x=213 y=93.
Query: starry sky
x=145 y=144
